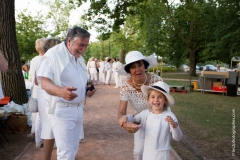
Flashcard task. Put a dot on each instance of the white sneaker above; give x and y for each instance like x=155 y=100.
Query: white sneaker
x=81 y=140
x=115 y=87
x=38 y=145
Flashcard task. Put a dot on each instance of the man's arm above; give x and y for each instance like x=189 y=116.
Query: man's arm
x=4 y=63
x=52 y=89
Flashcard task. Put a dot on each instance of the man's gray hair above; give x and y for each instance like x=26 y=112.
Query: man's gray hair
x=75 y=32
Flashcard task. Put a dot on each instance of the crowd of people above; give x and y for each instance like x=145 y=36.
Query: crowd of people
x=60 y=77
x=102 y=71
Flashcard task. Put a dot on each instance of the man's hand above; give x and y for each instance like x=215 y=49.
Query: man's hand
x=66 y=93
x=52 y=89
x=91 y=93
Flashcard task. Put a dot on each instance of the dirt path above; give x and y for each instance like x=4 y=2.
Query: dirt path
x=105 y=140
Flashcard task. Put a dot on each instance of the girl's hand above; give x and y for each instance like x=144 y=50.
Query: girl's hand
x=171 y=121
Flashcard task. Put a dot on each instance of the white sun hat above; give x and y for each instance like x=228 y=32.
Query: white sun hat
x=135 y=56
x=160 y=87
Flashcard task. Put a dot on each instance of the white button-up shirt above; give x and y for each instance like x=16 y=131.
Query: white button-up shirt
x=72 y=75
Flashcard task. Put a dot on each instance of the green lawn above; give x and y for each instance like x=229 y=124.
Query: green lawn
x=206 y=122
x=178 y=76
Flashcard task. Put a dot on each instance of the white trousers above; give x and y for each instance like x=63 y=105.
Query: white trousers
x=94 y=76
x=33 y=118
x=82 y=130
x=66 y=124
x=102 y=75
x=108 y=77
x=138 y=146
x=38 y=129
x=118 y=80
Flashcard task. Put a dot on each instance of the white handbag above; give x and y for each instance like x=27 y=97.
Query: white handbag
x=32 y=104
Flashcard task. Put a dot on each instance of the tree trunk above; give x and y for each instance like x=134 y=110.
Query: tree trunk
x=122 y=56
x=192 y=70
x=12 y=81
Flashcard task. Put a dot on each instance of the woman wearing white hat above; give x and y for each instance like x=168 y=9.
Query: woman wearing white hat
x=157 y=124
x=136 y=66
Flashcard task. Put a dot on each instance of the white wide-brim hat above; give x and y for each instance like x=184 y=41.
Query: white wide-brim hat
x=135 y=56
x=160 y=87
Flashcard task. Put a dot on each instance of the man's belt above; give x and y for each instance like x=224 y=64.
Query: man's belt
x=70 y=104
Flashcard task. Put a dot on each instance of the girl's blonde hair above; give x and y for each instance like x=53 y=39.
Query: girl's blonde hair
x=165 y=104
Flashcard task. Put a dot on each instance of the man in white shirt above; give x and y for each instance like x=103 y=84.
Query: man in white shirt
x=63 y=76
x=3 y=67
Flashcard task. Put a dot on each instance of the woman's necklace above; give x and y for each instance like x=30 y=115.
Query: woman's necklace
x=135 y=84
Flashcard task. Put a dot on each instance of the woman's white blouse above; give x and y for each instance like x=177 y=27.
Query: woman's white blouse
x=137 y=99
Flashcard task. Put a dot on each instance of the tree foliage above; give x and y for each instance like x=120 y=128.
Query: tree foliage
x=28 y=30
x=198 y=30
x=226 y=42
x=58 y=16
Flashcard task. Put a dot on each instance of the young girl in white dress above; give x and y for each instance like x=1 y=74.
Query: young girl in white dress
x=157 y=124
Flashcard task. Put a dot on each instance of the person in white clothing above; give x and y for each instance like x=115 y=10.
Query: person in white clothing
x=135 y=68
x=3 y=67
x=62 y=74
x=108 y=70
x=118 y=78
x=46 y=131
x=97 y=68
x=104 y=70
x=36 y=122
x=114 y=68
x=101 y=71
x=157 y=124
x=92 y=69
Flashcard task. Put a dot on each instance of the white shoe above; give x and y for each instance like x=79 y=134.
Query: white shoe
x=115 y=87
x=81 y=140
x=38 y=145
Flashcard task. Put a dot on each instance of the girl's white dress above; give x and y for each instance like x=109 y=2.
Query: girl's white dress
x=139 y=102
x=157 y=134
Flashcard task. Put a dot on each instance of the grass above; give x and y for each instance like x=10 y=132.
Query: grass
x=206 y=121
x=179 y=76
